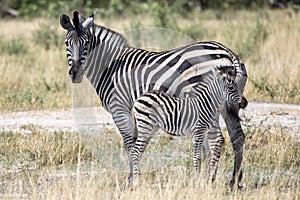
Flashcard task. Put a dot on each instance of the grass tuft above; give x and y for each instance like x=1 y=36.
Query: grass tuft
x=44 y=149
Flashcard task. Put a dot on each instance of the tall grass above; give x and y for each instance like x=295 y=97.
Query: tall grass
x=34 y=69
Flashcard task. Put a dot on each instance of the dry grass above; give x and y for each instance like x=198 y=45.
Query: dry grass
x=34 y=75
x=34 y=78
x=73 y=171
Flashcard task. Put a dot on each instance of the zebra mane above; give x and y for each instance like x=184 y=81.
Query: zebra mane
x=119 y=35
x=76 y=21
x=79 y=20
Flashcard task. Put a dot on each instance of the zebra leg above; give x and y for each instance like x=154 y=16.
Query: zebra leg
x=237 y=137
x=216 y=142
x=145 y=131
x=198 y=138
x=124 y=123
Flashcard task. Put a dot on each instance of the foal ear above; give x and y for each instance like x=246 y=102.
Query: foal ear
x=65 y=22
x=219 y=72
x=224 y=71
x=89 y=21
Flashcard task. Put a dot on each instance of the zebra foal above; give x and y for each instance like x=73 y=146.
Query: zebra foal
x=191 y=116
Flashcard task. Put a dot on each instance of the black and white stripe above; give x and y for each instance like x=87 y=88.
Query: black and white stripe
x=120 y=74
x=185 y=116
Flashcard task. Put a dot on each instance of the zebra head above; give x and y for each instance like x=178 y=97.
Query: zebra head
x=77 y=43
x=233 y=95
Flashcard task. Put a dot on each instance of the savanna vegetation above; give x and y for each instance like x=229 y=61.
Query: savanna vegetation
x=34 y=75
x=34 y=70
x=62 y=166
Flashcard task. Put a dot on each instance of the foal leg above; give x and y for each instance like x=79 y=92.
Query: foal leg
x=144 y=132
x=215 y=143
x=198 y=138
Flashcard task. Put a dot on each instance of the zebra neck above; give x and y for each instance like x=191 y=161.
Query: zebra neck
x=106 y=47
x=212 y=93
x=217 y=91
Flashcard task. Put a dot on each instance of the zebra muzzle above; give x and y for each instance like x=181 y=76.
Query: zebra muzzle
x=76 y=74
x=244 y=102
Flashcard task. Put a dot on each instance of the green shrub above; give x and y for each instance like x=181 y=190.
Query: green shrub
x=47 y=36
x=31 y=8
x=278 y=91
x=32 y=99
x=195 y=31
x=15 y=46
x=48 y=8
x=256 y=37
x=163 y=17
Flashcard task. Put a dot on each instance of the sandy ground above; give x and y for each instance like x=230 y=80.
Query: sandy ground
x=97 y=119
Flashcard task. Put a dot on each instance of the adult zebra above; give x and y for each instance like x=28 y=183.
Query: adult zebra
x=120 y=74
x=185 y=116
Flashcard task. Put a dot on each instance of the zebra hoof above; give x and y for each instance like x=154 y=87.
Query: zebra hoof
x=233 y=186
x=240 y=186
x=128 y=184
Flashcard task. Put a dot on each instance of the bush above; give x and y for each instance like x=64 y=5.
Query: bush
x=15 y=46
x=31 y=8
x=279 y=91
x=163 y=17
x=255 y=36
x=46 y=36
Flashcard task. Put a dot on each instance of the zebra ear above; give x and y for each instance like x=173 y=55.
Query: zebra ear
x=81 y=19
x=89 y=21
x=65 y=22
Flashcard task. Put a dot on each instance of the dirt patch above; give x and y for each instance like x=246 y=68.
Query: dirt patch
x=286 y=116
x=97 y=119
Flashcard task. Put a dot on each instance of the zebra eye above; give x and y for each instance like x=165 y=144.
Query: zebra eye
x=86 y=42
x=230 y=84
x=230 y=81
